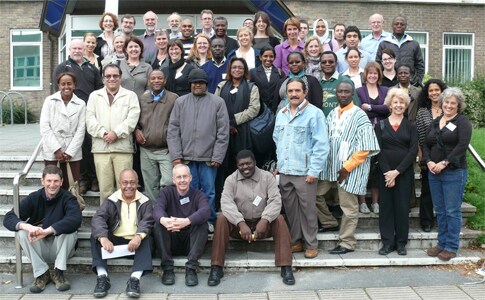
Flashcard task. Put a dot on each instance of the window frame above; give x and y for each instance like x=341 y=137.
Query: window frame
x=471 y=47
x=422 y=46
x=40 y=63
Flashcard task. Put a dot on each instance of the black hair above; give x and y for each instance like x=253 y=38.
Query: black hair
x=245 y=154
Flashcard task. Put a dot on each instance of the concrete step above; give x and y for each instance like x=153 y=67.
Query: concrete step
x=369 y=221
x=6 y=194
x=254 y=260
x=16 y=163
x=367 y=239
x=31 y=179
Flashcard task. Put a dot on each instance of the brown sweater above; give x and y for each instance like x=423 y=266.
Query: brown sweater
x=154 y=117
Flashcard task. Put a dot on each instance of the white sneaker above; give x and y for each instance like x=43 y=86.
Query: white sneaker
x=364 y=209
x=375 y=208
x=210 y=227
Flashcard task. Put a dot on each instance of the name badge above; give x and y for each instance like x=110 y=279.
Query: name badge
x=224 y=76
x=233 y=91
x=177 y=75
x=257 y=200
x=451 y=126
x=184 y=200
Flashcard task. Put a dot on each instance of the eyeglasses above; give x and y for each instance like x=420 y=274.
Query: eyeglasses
x=325 y=62
x=115 y=76
x=182 y=177
x=126 y=182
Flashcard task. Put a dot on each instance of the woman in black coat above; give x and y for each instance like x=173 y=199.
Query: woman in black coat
x=398 y=140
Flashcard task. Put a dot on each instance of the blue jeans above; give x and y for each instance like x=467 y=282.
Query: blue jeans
x=447 y=190
x=203 y=178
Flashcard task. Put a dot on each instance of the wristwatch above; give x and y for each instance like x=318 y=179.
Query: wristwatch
x=369 y=108
x=444 y=162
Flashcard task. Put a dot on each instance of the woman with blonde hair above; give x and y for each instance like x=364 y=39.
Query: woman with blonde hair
x=398 y=141
x=291 y=29
x=201 y=51
x=312 y=52
x=119 y=53
x=89 y=46
x=246 y=50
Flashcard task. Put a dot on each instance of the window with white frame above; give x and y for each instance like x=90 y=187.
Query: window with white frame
x=422 y=39
x=458 y=57
x=25 y=59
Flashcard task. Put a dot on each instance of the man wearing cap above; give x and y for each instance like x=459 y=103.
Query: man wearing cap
x=198 y=135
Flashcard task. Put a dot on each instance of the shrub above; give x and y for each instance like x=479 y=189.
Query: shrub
x=18 y=114
x=474 y=91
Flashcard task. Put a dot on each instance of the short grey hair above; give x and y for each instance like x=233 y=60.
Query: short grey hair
x=178 y=166
x=453 y=92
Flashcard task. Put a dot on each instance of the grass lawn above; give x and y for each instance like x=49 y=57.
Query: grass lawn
x=475 y=187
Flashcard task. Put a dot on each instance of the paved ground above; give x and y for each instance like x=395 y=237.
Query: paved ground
x=323 y=283
x=19 y=139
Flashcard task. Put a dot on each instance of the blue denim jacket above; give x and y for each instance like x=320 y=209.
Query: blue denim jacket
x=301 y=141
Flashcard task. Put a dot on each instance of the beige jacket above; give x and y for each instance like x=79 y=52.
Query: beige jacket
x=62 y=127
x=239 y=197
x=121 y=117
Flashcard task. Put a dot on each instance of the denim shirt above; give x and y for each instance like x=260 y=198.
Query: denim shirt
x=301 y=140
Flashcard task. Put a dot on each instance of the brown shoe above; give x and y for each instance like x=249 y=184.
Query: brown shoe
x=434 y=251
x=298 y=247
x=311 y=253
x=62 y=284
x=40 y=282
x=446 y=255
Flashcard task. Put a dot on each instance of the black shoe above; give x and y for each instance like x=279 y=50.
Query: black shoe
x=102 y=286
x=133 y=287
x=168 y=277
x=287 y=274
x=426 y=228
x=191 y=277
x=386 y=249
x=323 y=229
x=340 y=250
x=215 y=276
x=401 y=250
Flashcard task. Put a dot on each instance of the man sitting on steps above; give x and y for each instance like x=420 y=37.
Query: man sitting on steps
x=250 y=202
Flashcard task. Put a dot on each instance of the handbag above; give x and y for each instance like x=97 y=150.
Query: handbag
x=265 y=119
x=74 y=188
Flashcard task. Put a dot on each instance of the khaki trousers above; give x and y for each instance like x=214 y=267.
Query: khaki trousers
x=108 y=169
x=350 y=207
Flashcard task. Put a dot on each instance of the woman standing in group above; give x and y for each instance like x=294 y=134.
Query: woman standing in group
x=444 y=152
x=291 y=29
x=89 y=46
x=398 y=141
x=242 y=102
x=246 y=50
x=201 y=51
x=371 y=96
x=161 y=59
x=108 y=24
x=354 y=72
x=320 y=29
x=62 y=126
x=178 y=70
x=266 y=77
x=262 y=31
x=119 y=54
x=134 y=76
x=389 y=77
x=296 y=61
x=429 y=110
x=313 y=50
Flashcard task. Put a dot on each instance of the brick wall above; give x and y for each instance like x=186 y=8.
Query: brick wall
x=432 y=18
x=24 y=15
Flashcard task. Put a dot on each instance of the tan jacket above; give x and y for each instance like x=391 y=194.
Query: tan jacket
x=121 y=117
x=239 y=195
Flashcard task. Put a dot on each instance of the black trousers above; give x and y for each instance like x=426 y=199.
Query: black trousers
x=425 y=201
x=142 y=258
x=394 y=209
x=189 y=242
x=88 y=170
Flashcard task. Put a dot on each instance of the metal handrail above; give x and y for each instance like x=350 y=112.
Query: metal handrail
x=10 y=101
x=16 y=208
x=476 y=156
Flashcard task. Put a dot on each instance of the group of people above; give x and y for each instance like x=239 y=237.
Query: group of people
x=170 y=114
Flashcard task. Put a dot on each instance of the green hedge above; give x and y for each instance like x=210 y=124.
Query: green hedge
x=18 y=114
x=474 y=91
